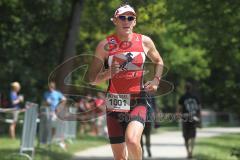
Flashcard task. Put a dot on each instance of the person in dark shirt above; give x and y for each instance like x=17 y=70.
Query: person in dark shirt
x=189 y=108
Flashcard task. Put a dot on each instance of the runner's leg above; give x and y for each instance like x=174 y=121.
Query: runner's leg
x=134 y=132
x=119 y=151
x=133 y=138
x=116 y=128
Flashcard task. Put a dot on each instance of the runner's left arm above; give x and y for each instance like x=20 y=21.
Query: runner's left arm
x=155 y=57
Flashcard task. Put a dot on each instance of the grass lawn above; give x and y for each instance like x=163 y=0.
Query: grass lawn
x=217 y=148
x=8 y=147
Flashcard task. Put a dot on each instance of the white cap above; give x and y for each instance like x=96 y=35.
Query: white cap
x=124 y=9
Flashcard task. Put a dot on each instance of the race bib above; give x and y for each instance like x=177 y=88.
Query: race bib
x=118 y=102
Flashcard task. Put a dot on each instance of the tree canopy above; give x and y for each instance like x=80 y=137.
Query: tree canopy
x=199 y=41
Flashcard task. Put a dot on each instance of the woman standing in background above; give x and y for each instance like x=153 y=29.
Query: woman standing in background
x=15 y=100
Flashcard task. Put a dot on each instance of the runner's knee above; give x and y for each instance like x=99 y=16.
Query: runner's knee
x=132 y=141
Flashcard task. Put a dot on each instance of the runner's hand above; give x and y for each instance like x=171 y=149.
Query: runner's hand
x=115 y=68
x=151 y=86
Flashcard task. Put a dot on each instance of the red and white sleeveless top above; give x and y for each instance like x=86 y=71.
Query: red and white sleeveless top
x=131 y=57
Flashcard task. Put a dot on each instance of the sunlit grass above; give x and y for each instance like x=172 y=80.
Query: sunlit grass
x=9 y=148
x=217 y=148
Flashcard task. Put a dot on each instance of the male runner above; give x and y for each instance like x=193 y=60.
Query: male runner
x=125 y=53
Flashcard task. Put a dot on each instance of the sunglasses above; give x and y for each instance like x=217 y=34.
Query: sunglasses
x=124 y=18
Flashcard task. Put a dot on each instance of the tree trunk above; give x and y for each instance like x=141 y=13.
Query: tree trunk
x=69 y=47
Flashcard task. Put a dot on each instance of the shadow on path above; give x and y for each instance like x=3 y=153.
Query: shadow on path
x=165 y=144
x=110 y=158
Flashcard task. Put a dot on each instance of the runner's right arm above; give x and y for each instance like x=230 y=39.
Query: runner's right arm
x=97 y=72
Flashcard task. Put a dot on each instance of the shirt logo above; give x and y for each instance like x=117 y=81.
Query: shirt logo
x=113 y=41
x=137 y=39
x=129 y=58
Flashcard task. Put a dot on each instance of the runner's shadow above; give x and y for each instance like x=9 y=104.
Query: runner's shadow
x=164 y=158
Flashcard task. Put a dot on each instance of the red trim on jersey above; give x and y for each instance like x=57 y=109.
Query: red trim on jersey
x=114 y=44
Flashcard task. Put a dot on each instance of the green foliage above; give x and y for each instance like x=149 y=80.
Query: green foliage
x=149 y=21
x=95 y=24
x=31 y=37
x=216 y=25
x=185 y=58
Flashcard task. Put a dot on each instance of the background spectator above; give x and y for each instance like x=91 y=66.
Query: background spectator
x=15 y=100
x=189 y=107
x=53 y=98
